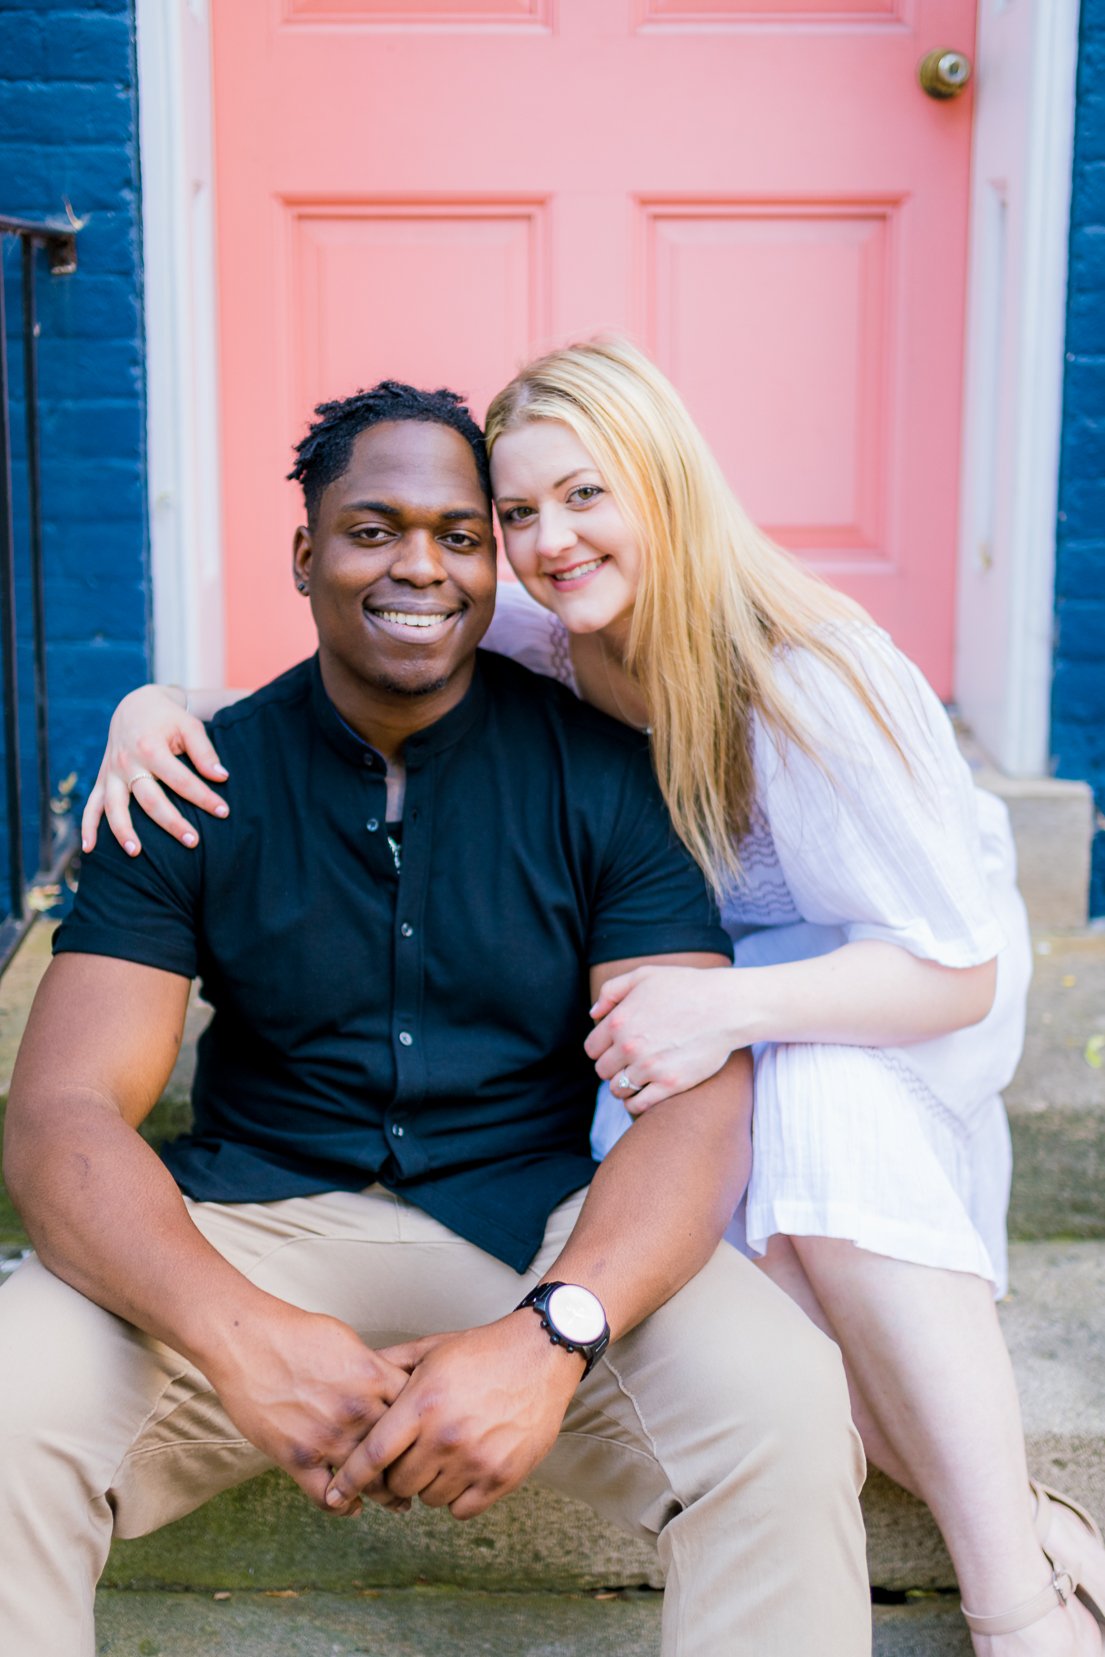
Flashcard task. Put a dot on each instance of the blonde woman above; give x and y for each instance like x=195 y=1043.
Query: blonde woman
x=881 y=947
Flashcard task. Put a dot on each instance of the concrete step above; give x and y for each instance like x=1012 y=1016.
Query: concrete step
x=1056 y=1103
x=1053 y=823
x=264 y=1535
x=426 y=1622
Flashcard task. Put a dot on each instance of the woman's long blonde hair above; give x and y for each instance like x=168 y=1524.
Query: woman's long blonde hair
x=717 y=602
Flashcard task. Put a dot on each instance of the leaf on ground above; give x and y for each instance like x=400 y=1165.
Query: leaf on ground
x=1094 y=1054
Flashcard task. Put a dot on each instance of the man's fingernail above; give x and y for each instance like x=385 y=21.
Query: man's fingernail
x=594 y=1010
x=86 y=845
x=188 y=839
x=130 y=847
x=222 y=811
x=334 y=1498
x=221 y=771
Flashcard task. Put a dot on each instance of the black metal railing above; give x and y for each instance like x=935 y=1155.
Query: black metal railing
x=54 y=831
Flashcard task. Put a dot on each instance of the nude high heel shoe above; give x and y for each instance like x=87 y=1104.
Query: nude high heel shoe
x=1087 y=1567
x=1082 y=1573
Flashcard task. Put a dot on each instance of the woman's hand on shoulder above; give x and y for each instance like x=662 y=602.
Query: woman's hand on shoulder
x=668 y=1028
x=148 y=730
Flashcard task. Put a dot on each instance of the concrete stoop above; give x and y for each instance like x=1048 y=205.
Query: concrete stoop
x=264 y=1534
x=423 y=1584
x=1053 y=823
x=1056 y=1102
x=444 y=1623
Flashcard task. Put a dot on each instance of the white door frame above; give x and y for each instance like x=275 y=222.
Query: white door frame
x=1009 y=702
x=1013 y=387
x=182 y=403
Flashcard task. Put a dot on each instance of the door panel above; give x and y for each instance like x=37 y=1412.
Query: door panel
x=758 y=192
x=355 y=269
x=804 y=292
x=806 y=11
x=422 y=11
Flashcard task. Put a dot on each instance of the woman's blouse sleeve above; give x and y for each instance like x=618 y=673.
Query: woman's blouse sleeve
x=863 y=844
x=524 y=630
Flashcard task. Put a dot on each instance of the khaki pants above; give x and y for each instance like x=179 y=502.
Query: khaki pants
x=719 y=1429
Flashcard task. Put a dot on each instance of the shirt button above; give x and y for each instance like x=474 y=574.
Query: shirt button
x=372 y=825
x=397 y=1129
x=405 y=1038
x=407 y=930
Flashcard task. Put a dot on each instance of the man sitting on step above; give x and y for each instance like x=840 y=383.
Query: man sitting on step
x=383 y=1260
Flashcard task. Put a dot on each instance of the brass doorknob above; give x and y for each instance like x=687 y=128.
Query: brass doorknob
x=944 y=73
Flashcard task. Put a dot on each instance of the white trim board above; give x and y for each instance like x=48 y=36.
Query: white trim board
x=1016 y=319
x=1013 y=387
x=178 y=231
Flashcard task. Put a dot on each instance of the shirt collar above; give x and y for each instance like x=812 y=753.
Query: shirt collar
x=442 y=734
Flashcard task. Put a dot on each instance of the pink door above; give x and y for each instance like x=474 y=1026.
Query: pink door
x=756 y=190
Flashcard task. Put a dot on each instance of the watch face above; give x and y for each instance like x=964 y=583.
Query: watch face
x=576 y=1314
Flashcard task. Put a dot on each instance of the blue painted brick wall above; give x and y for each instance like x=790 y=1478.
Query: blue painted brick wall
x=1078 y=689
x=69 y=134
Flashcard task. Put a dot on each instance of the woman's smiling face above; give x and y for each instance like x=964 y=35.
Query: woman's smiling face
x=564 y=533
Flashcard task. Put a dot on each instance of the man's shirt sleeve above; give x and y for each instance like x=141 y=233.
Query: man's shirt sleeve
x=652 y=898
x=140 y=909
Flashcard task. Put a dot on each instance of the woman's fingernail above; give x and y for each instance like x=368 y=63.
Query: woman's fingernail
x=221 y=771
x=130 y=847
x=86 y=845
x=222 y=811
x=189 y=839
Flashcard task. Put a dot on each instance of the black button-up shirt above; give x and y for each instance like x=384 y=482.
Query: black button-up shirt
x=423 y=1025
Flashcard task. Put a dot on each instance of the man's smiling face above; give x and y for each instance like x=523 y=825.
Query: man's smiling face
x=400 y=564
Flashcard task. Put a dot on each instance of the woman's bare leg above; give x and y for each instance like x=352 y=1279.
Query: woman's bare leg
x=937 y=1410
x=783 y=1266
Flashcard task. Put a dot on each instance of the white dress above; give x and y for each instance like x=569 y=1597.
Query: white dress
x=902 y=1150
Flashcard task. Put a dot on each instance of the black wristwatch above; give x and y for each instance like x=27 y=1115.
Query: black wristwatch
x=574 y=1318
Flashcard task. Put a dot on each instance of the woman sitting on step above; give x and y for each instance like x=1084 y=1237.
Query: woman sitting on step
x=882 y=953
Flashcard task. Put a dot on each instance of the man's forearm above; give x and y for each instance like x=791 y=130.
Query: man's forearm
x=105 y=1215
x=103 y=1212
x=662 y=1198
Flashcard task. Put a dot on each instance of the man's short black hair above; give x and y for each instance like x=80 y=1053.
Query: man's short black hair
x=324 y=453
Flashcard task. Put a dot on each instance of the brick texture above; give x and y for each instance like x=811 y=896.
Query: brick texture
x=69 y=140
x=1078 y=687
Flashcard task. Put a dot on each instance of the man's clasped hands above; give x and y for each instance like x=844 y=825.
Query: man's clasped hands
x=457 y=1419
